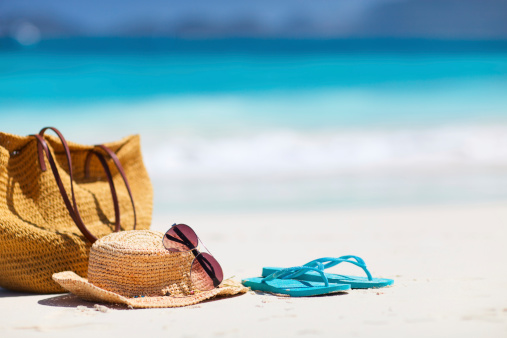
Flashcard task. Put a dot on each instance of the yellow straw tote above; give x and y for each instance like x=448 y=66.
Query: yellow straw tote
x=57 y=198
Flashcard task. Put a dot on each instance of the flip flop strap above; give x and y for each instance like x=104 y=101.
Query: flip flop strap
x=328 y=262
x=294 y=272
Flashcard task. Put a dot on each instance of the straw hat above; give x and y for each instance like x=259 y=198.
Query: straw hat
x=134 y=268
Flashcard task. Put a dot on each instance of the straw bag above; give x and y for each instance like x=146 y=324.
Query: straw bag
x=57 y=198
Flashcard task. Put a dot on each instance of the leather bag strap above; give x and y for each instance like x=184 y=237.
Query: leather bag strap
x=103 y=162
x=72 y=207
x=118 y=165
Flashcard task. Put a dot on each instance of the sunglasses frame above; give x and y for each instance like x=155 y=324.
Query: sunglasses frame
x=199 y=256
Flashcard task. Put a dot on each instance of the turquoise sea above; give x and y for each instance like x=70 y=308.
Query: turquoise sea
x=242 y=124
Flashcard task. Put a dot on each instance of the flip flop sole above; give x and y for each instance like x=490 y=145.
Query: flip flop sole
x=293 y=287
x=354 y=281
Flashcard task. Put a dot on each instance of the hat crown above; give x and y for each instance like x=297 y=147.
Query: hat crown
x=135 y=263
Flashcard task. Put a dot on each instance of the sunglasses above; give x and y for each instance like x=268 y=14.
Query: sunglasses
x=205 y=272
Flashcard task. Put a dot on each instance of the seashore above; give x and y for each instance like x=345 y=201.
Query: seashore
x=447 y=262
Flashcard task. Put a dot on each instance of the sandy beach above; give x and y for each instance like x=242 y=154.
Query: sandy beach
x=281 y=132
x=448 y=263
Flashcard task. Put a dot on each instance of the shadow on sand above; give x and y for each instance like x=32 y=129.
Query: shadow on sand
x=10 y=293
x=70 y=300
x=334 y=294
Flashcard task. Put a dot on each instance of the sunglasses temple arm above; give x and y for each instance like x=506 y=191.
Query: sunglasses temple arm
x=207 y=267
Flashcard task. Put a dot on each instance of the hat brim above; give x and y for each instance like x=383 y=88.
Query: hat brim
x=80 y=286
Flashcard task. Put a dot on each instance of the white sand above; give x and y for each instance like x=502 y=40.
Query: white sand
x=448 y=262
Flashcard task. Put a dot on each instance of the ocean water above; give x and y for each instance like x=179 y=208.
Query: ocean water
x=234 y=125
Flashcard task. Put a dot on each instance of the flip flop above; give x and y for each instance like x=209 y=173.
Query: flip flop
x=327 y=262
x=283 y=281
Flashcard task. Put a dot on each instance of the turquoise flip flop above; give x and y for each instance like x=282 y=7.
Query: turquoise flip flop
x=283 y=281
x=321 y=264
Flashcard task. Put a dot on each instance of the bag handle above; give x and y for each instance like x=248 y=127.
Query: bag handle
x=111 y=186
x=74 y=212
x=118 y=165
x=72 y=208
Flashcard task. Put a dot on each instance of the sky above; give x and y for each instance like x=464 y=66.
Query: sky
x=441 y=19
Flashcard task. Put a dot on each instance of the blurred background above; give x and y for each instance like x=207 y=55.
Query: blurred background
x=272 y=105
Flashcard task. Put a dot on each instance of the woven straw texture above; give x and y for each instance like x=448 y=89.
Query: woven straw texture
x=135 y=269
x=37 y=235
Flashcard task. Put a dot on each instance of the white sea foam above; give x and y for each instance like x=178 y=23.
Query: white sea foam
x=296 y=153
x=221 y=137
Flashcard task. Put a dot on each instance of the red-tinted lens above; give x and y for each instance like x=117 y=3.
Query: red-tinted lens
x=206 y=274
x=180 y=238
